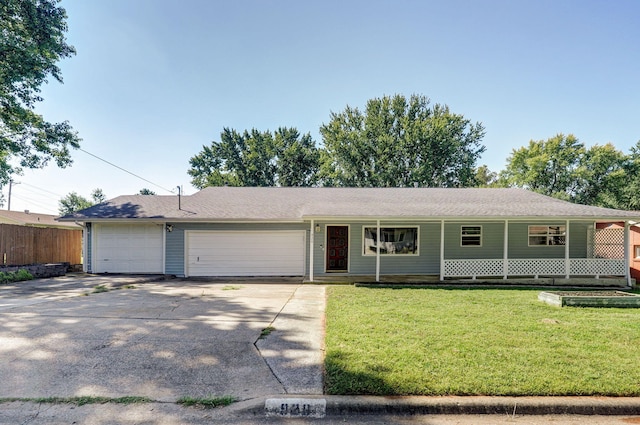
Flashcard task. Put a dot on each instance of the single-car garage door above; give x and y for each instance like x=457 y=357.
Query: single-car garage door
x=245 y=253
x=127 y=248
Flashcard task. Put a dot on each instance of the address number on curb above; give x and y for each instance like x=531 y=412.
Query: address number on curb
x=296 y=407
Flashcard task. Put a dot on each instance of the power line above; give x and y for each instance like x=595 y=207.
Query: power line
x=126 y=171
x=35 y=203
x=41 y=189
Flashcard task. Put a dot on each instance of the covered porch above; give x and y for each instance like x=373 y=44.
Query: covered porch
x=606 y=255
x=542 y=251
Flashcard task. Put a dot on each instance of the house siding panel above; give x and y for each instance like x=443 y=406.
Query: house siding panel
x=519 y=241
x=492 y=241
x=578 y=232
x=175 y=240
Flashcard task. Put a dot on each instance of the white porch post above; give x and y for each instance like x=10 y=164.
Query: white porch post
x=378 y=251
x=311 y=244
x=567 y=261
x=627 y=253
x=441 y=249
x=505 y=266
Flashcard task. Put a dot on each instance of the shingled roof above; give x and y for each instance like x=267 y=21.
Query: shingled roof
x=28 y=218
x=298 y=204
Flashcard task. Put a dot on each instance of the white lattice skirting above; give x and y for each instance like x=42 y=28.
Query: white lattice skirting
x=597 y=267
x=534 y=267
x=473 y=268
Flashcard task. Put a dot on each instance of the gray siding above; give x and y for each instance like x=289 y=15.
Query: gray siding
x=426 y=262
x=492 y=241
x=175 y=240
x=578 y=233
x=519 y=241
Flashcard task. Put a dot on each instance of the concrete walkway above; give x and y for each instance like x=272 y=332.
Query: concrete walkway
x=295 y=349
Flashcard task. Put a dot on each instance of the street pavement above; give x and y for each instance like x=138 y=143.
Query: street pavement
x=259 y=341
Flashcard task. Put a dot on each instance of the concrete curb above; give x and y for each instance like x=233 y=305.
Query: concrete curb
x=451 y=405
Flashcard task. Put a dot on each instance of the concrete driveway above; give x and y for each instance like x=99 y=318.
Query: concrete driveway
x=160 y=339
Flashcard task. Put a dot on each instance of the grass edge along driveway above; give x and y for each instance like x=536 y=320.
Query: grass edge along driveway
x=386 y=341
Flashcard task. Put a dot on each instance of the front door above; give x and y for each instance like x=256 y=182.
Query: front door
x=337 y=248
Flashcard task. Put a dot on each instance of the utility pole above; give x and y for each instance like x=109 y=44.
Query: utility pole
x=9 y=200
x=11 y=182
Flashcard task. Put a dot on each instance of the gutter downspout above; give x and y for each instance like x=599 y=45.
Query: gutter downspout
x=378 y=251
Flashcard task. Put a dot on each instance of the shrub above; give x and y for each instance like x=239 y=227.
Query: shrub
x=18 y=276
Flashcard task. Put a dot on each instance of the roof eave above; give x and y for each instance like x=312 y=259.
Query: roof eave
x=474 y=218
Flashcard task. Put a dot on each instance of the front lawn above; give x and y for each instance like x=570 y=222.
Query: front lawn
x=384 y=341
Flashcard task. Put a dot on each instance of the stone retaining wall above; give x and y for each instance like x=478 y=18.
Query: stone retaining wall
x=40 y=270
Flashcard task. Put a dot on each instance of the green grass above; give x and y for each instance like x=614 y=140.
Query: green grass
x=206 y=402
x=266 y=332
x=81 y=400
x=476 y=342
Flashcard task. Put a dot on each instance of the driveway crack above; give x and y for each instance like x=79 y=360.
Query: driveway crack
x=255 y=343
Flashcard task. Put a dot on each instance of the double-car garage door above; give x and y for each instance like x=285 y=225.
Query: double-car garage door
x=245 y=253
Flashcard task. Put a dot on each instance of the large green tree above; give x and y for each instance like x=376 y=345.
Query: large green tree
x=601 y=177
x=564 y=168
x=627 y=195
x=32 y=41
x=546 y=166
x=400 y=142
x=256 y=158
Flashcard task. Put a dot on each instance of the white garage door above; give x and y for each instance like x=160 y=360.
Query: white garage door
x=127 y=248
x=251 y=253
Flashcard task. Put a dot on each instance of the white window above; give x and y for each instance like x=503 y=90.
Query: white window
x=392 y=241
x=547 y=235
x=471 y=235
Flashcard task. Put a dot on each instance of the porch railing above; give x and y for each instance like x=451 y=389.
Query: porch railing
x=534 y=267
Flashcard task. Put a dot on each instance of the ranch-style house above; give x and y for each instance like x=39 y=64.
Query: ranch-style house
x=358 y=233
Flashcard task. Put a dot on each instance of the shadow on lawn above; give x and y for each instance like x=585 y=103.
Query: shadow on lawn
x=339 y=380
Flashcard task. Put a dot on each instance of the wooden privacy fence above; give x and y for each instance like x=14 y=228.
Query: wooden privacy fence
x=28 y=245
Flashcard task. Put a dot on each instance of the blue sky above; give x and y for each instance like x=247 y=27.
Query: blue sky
x=155 y=80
